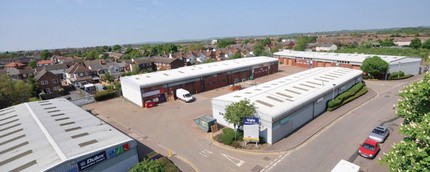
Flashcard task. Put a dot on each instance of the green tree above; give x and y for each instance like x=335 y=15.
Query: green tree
x=413 y=152
x=415 y=43
x=45 y=54
x=258 y=49
x=13 y=92
x=107 y=77
x=374 y=66
x=236 y=55
x=303 y=41
x=196 y=47
x=279 y=39
x=245 y=41
x=32 y=63
x=92 y=54
x=35 y=89
x=266 y=42
x=386 y=42
x=147 y=166
x=222 y=43
x=116 y=48
x=235 y=112
x=426 y=44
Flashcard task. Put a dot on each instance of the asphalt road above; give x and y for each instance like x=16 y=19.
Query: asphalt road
x=341 y=140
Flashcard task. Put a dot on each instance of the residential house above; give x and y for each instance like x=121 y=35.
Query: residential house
x=114 y=55
x=48 y=82
x=200 y=57
x=98 y=67
x=190 y=58
x=69 y=61
x=114 y=69
x=57 y=69
x=20 y=73
x=44 y=63
x=15 y=64
x=144 y=64
x=163 y=63
x=78 y=75
x=326 y=47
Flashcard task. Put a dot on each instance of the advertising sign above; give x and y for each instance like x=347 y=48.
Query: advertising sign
x=92 y=160
x=251 y=129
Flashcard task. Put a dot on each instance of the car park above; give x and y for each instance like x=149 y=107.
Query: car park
x=379 y=134
x=369 y=148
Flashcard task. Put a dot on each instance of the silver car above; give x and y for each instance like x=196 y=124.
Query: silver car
x=379 y=134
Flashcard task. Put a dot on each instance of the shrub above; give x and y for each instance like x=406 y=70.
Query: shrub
x=104 y=95
x=403 y=77
x=397 y=75
x=227 y=138
x=343 y=97
x=168 y=165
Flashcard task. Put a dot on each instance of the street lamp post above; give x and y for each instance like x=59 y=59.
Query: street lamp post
x=334 y=85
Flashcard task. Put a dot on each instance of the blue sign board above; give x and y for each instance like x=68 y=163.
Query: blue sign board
x=92 y=160
x=251 y=120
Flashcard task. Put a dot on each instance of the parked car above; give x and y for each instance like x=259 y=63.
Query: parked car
x=379 y=134
x=369 y=148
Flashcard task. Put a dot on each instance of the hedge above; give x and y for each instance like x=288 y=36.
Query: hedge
x=395 y=75
x=168 y=165
x=355 y=91
x=402 y=77
x=106 y=94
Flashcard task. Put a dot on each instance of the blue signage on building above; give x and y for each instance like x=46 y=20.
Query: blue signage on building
x=92 y=160
x=251 y=120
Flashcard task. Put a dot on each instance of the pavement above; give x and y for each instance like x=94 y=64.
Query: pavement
x=169 y=126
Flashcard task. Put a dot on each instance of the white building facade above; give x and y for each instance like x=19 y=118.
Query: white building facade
x=56 y=135
x=283 y=105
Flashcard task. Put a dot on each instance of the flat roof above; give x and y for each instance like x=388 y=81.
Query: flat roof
x=276 y=98
x=356 y=58
x=37 y=136
x=191 y=72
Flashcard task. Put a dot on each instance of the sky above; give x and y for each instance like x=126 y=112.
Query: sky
x=50 y=24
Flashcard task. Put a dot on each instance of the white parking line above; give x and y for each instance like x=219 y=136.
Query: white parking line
x=234 y=160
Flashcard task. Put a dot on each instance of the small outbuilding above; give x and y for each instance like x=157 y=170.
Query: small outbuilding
x=283 y=105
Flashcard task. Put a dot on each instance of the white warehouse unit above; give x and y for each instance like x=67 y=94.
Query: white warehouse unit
x=56 y=135
x=408 y=65
x=136 y=87
x=283 y=105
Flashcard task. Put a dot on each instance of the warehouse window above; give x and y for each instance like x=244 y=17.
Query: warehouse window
x=320 y=99
x=284 y=120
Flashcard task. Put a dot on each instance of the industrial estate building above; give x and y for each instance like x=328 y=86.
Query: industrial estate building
x=283 y=105
x=308 y=59
x=56 y=135
x=160 y=86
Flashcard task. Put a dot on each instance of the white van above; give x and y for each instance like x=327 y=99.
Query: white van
x=184 y=95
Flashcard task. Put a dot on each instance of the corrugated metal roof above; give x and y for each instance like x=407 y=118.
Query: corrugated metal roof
x=355 y=58
x=190 y=72
x=36 y=136
x=277 y=97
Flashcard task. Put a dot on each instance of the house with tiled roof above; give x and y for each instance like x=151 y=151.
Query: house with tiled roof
x=15 y=64
x=78 y=75
x=44 y=63
x=48 y=83
x=57 y=69
x=20 y=73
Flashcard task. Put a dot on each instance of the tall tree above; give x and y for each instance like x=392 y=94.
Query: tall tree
x=235 y=112
x=374 y=66
x=116 y=48
x=13 y=92
x=222 y=43
x=413 y=152
x=303 y=41
x=415 y=43
x=426 y=44
x=32 y=63
x=45 y=54
x=266 y=42
x=258 y=49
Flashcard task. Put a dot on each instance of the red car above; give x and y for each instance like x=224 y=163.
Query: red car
x=369 y=148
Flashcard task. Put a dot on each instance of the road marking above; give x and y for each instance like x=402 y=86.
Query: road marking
x=203 y=154
x=234 y=160
x=208 y=151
